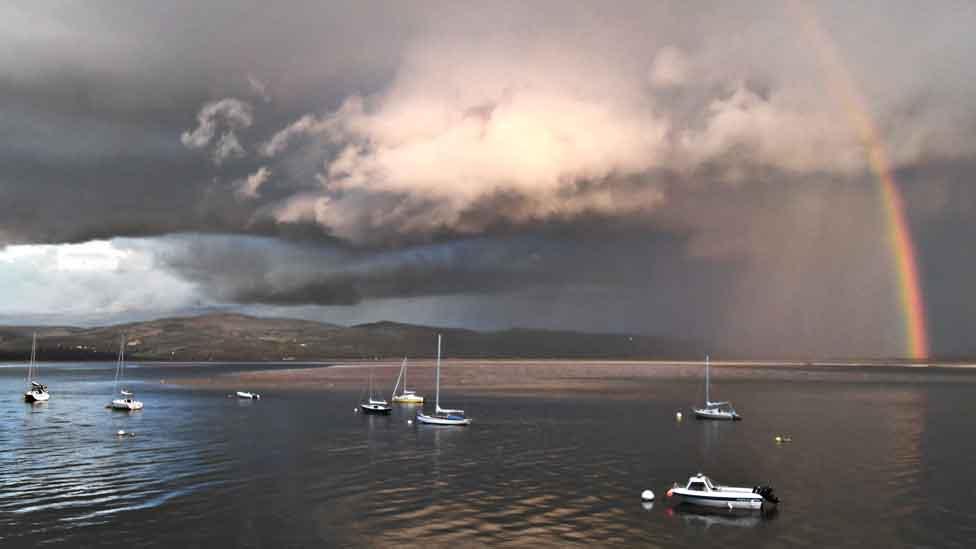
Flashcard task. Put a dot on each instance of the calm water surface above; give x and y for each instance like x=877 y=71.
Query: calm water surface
x=881 y=457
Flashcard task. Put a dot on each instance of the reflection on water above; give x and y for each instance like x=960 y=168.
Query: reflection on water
x=876 y=464
x=707 y=518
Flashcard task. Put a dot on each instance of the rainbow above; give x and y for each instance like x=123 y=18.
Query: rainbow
x=842 y=85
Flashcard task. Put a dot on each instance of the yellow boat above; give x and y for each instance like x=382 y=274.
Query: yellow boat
x=406 y=396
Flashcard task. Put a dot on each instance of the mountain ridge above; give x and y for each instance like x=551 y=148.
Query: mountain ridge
x=240 y=337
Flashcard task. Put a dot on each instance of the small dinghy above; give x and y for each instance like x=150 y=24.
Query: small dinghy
x=248 y=396
x=701 y=491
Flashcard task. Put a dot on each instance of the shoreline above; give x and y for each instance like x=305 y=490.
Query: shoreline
x=551 y=376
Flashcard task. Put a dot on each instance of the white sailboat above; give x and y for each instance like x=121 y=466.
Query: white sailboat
x=442 y=416
x=36 y=391
x=406 y=396
x=373 y=405
x=715 y=410
x=126 y=403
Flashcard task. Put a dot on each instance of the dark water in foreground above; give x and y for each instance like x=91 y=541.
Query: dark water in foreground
x=881 y=459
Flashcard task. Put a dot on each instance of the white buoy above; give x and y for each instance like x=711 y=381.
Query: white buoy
x=647 y=495
x=121 y=433
x=678 y=416
x=355 y=410
x=409 y=422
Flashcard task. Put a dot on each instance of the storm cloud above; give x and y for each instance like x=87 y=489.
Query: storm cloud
x=669 y=168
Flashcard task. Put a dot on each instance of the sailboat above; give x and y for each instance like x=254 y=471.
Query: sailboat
x=126 y=403
x=715 y=410
x=374 y=406
x=406 y=396
x=441 y=416
x=36 y=392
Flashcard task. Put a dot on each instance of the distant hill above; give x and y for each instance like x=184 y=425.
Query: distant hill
x=234 y=337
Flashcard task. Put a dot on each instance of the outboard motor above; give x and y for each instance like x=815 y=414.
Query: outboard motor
x=767 y=493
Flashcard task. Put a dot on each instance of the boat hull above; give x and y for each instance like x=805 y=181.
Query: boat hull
x=34 y=396
x=248 y=396
x=377 y=409
x=408 y=399
x=443 y=421
x=125 y=405
x=720 y=416
x=733 y=501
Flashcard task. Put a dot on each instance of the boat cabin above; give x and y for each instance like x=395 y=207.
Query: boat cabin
x=700 y=483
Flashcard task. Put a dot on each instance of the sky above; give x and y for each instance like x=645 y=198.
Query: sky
x=666 y=168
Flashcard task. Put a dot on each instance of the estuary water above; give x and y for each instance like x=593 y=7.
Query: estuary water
x=881 y=457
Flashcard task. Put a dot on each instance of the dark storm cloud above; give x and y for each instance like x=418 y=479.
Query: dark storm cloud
x=688 y=164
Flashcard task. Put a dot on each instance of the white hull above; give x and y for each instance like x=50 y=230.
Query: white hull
x=435 y=420
x=408 y=399
x=126 y=404
x=36 y=396
x=368 y=408
x=246 y=395
x=730 y=501
x=706 y=413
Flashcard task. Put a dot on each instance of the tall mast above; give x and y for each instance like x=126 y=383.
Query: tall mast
x=708 y=400
x=404 y=369
x=118 y=363
x=30 y=367
x=437 y=391
x=399 y=377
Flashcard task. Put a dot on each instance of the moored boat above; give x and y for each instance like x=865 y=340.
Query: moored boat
x=701 y=491
x=126 y=403
x=247 y=395
x=36 y=391
x=442 y=416
x=721 y=410
x=374 y=405
x=406 y=396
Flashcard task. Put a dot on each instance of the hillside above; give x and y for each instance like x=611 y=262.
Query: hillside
x=232 y=337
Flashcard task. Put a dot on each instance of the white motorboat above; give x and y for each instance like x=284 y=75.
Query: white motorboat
x=721 y=410
x=442 y=416
x=248 y=396
x=374 y=405
x=126 y=403
x=701 y=491
x=36 y=391
x=406 y=396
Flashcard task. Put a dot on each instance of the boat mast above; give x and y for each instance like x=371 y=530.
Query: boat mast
x=437 y=390
x=118 y=363
x=708 y=400
x=30 y=367
x=403 y=368
x=399 y=377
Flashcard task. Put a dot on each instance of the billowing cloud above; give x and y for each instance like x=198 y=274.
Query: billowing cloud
x=250 y=187
x=217 y=123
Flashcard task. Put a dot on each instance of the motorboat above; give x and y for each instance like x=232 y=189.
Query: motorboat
x=442 y=416
x=701 y=491
x=374 y=405
x=721 y=410
x=36 y=391
x=248 y=396
x=406 y=396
